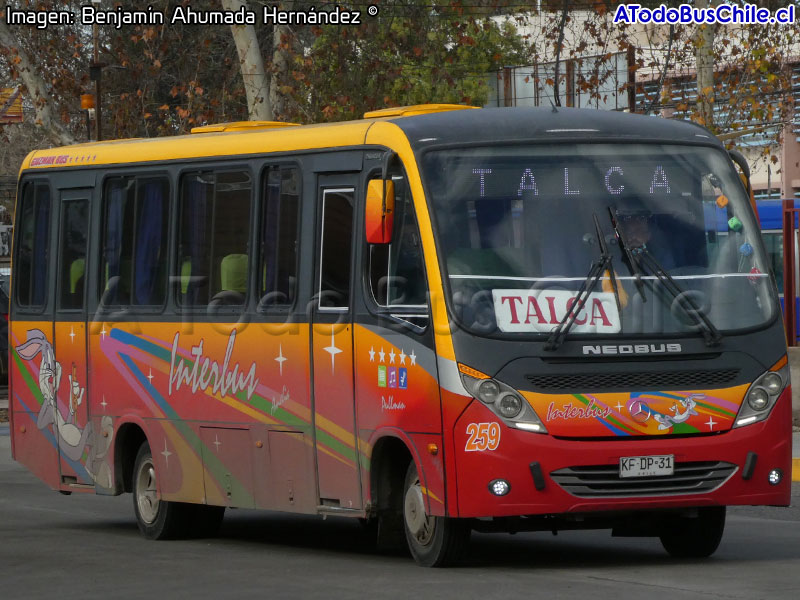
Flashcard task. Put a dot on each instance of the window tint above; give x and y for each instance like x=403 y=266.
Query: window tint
x=32 y=256
x=133 y=259
x=336 y=243
x=397 y=272
x=279 y=236
x=213 y=246
x=72 y=253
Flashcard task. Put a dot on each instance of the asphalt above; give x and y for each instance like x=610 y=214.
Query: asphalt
x=795 y=445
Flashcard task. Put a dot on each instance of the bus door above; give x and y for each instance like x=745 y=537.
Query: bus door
x=78 y=444
x=332 y=346
x=32 y=371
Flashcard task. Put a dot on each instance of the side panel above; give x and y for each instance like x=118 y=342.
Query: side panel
x=180 y=380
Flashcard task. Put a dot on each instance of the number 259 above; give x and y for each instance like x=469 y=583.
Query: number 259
x=483 y=436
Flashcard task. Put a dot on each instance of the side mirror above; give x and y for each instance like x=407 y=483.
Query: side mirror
x=380 y=211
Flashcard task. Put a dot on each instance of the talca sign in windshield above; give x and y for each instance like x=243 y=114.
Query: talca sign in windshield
x=540 y=310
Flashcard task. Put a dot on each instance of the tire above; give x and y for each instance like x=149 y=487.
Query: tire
x=695 y=537
x=432 y=541
x=157 y=519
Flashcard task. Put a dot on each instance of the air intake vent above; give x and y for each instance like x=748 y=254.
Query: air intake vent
x=603 y=481
x=641 y=381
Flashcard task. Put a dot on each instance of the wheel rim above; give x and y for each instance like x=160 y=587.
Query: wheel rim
x=146 y=495
x=420 y=525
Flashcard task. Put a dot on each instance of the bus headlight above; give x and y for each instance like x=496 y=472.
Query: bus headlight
x=510 y=406
x=757 y=398
x=488 y=391
x=506 y=402
x=762 y=396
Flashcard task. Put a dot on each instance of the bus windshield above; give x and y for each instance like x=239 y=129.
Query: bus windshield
x=518 y=231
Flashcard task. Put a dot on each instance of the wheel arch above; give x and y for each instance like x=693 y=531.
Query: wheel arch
x=129 y=438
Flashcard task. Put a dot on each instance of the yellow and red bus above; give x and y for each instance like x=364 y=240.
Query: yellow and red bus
x=437 y=319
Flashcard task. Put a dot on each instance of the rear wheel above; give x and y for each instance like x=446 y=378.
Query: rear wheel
x=695 y=537
x=157 y=519
x=433 y=541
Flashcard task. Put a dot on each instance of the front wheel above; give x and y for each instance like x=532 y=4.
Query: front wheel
x=695 y=537
x=433 y=541
x=157 y=519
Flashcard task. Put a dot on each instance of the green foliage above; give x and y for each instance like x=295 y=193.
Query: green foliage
x=413 y=52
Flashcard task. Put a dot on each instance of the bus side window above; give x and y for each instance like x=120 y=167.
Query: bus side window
x=336 y=241
x=32 y=254
x=72 y=253
x=213 y=245
x=279 y=236
x=134 y=250
x=396 y=270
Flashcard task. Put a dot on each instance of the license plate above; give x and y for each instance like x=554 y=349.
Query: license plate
x=647 y=466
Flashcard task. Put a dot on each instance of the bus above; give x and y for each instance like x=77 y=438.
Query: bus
x=437 y=319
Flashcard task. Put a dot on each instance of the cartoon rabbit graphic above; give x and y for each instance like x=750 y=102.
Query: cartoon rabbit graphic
x=71 y=439
x=667 y=421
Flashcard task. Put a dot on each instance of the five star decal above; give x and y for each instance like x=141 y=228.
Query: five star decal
x=393 y=357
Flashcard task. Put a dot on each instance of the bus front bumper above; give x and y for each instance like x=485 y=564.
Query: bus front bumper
x=549 y=476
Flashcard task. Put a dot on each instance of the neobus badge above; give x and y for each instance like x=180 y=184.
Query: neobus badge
x=632 y=348
x=539 y=310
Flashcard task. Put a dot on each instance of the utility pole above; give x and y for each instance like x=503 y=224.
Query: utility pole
x=95 y=74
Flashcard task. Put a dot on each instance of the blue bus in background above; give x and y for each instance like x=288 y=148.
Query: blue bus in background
x=770 y=213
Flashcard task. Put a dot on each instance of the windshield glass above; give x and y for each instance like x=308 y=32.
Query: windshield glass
x=517 y=233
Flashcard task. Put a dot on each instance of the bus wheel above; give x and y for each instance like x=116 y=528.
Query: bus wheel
x=157 y=519
x=433 y=541
x=695 y=537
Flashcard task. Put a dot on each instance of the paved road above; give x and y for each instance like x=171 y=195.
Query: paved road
x=89 y=547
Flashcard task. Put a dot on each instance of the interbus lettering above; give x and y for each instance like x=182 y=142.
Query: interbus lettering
x=201 y=376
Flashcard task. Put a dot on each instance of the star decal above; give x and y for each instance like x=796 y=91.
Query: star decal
x=372 y=354
x=333 y=351
x=381 y=354
x=711 y=422
x=391 y=356
x=413 y=358
x=166 y=453
x=280 y=359
x=402 y=357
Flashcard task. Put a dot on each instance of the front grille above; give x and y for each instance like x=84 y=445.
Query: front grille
x=643 y=380
x=603 y=481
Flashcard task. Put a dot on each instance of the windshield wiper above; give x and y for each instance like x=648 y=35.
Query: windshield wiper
x=640 y=255
x=602 y=264
x=711 y=334
x=633 y=263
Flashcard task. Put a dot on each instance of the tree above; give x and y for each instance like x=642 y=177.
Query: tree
x=414 y=51
x=47 y=85
x=259 y=104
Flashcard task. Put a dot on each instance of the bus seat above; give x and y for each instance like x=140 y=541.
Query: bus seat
x=76 y=271
x=186 y=274
x=233 y=273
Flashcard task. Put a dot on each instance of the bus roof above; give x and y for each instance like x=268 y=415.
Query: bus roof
x=546 y=124
x=440 y=126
